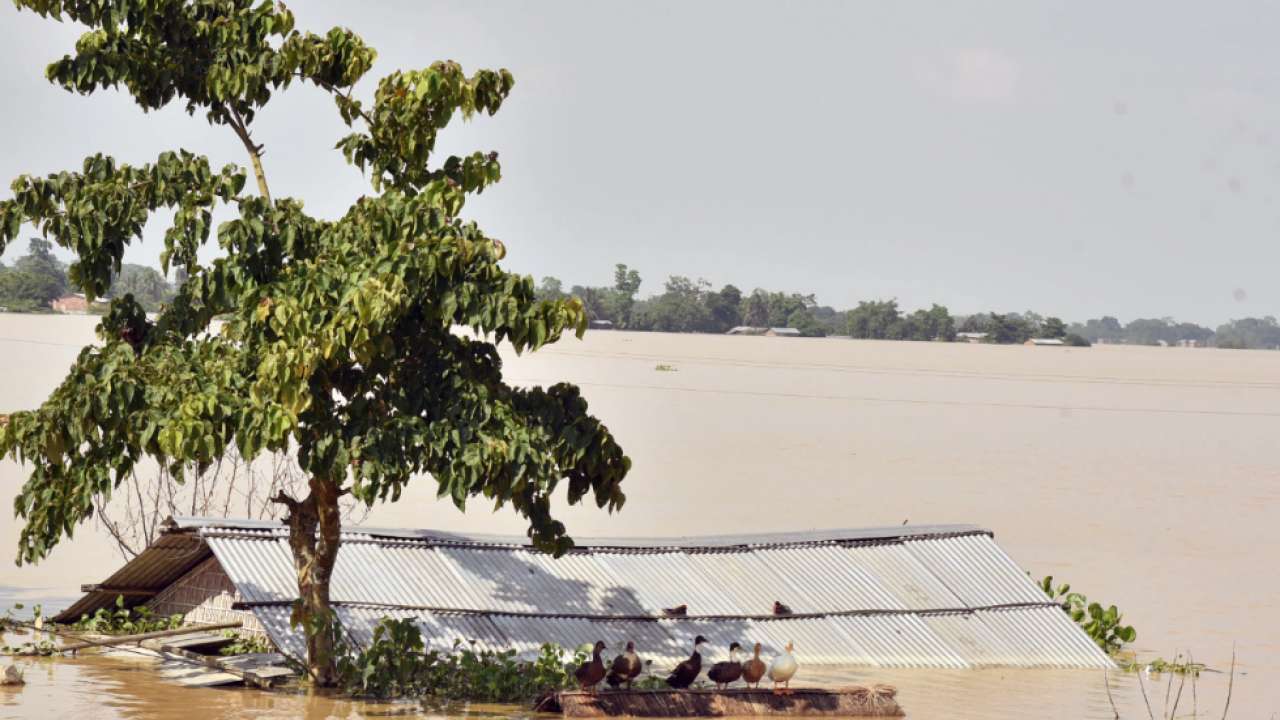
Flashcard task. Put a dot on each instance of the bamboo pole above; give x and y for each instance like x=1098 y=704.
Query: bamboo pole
x=129 y=639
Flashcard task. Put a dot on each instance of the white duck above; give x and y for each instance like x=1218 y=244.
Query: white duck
x=782 y=669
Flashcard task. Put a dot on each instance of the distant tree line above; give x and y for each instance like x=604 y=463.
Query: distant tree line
x=687 y=305
x=38 y=278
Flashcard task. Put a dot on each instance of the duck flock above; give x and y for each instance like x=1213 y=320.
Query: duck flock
x=627 y=666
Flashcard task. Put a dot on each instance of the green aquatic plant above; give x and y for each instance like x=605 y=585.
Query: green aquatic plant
x=396 y=664
x=41 y=644
x=245 y=644
x=1101 y=624
x=1177 y=666
x=122 y=620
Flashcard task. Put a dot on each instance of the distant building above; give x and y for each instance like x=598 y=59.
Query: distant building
x=972 y=337
x=746 y=330
x=782 y=332
x=75 y=304
x=1052 y=342
x=1188 y=342
x=600 y=324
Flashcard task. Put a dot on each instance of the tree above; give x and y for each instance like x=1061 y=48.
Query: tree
x=875 y=319
x=1245 y=333
x=626 y=283
x=1009 y=329
x=1053 y=327
x=35 y=280
x=337 y=340
x=550 y=289
x=230 y=487
x=935 y=323
x=755 y=309
x=681 y=308
x=724 y=307
x=148 y=287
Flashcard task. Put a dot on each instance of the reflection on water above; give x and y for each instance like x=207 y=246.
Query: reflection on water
x=90 y=686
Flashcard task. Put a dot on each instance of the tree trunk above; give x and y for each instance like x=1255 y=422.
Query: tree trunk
x=315 y=525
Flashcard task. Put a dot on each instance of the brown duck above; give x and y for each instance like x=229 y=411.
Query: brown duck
x=753 y=669
x=625 y=668
x=724 y=673
x=590 y=673
x=780 y=609
x=687 y=671
x=677 y=611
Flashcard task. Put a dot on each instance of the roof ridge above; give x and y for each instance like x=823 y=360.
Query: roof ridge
x=742 y=542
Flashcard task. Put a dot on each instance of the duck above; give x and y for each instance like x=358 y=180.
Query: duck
x=782 y=669
x=677 y=611
x=590 y=673
x=753 y=669
x=724 y=673
x=780 y=609
x=625 y=668
x=687 y=671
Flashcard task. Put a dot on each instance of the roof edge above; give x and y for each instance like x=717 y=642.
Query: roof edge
x=894 y=533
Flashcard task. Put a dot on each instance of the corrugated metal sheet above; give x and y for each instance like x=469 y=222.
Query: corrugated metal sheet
x=828 y=578
x=905 y=577
x=275 y=620
x=667 y=579
x=904 y=598
x=261 y=567
x=741 y=579
x=976 y=570
x=900 y=640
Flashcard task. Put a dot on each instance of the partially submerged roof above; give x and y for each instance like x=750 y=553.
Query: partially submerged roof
x=910 y=596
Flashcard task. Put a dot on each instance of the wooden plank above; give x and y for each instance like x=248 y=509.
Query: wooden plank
x=851 y=702
x=208 y=641
x=184 y=673
x=242 y=669
x=127 y=592
x=109 y=641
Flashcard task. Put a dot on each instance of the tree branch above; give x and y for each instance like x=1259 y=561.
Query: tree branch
x=287 y=501
x=255 y=151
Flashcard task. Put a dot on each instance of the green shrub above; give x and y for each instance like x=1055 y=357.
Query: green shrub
x=397 y=664
x=1075 y=340
x=122 y=620
x=1102 y=625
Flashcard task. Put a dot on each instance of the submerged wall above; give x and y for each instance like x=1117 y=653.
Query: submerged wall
x=205 y=595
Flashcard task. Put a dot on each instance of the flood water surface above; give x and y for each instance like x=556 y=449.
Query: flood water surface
x=1146 y=477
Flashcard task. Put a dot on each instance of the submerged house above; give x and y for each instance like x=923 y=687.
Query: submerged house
x=925 y=596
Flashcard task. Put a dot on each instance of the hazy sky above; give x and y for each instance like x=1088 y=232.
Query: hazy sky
x=1072 y=158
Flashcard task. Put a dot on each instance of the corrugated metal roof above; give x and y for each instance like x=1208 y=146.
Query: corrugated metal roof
x=162 y=563
x=946 y=596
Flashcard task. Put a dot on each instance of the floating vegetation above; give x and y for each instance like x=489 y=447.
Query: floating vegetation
x=662 y=367
x=122 y=620
x=1102 y=625
x=245 y=644
x=397 y=664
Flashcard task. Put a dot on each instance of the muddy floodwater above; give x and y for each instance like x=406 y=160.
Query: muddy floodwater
x=1146 y=477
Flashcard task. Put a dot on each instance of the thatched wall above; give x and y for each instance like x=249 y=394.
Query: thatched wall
x=205 y=595
x=739 y=702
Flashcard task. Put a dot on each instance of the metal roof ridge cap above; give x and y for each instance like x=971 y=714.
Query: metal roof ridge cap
x=727 y=542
